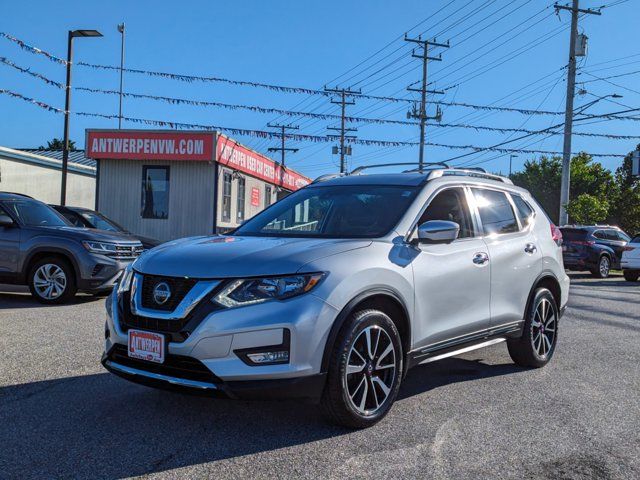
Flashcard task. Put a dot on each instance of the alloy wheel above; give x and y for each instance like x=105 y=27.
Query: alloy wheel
x=49 y=281
x=604 y=266
x=371 y=370
x=543 y=328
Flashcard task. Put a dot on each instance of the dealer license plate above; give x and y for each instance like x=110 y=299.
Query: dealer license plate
x=146 y=346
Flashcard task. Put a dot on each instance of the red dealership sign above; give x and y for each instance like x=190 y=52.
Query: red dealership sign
x=149 y=145
x=255 y=197
x=236 y=156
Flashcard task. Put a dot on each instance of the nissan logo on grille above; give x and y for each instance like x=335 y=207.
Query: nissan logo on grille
x=161 y=293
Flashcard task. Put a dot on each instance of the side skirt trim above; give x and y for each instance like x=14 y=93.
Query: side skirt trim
x=463 y=350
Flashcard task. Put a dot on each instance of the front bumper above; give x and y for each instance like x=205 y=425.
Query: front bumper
x=304 y=388
x=100 y=272
x=223 y=334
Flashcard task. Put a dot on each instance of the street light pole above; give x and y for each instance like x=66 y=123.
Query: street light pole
x=511 y=157
x=67 y=107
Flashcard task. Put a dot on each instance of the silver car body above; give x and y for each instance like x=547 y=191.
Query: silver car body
x=447 y=293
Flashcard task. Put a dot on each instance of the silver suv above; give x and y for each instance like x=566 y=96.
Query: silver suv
x=333 y=293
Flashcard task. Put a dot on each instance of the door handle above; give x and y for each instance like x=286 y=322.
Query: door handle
x=530 y=248
x=480 y=258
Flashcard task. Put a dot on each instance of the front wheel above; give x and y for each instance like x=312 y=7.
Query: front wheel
x=365 y=370
x=540 y=335
x=52 y=280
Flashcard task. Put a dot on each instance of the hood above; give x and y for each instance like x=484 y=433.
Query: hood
x=228 y=257
x=87 y=234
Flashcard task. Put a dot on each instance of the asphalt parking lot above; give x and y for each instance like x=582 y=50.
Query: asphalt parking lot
x=474 y=416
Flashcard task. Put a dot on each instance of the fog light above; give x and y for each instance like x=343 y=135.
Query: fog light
x=269 y=357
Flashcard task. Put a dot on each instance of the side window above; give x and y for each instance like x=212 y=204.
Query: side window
x=525 y=212
x=240 y=200
x=155 y=192
x=450 y=204
x=73 y=218
x=600 y=234
x=226 y=197
x=613 y=235
x=495 y=210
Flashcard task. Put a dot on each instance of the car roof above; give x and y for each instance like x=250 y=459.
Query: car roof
x=402 y=179
x=13 y=196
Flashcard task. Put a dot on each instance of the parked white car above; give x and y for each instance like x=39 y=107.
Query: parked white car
x=630 y=262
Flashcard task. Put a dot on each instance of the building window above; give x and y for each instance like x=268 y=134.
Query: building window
x=155 y=192
x=241 y=189
x=226 y=197
x=267 y=196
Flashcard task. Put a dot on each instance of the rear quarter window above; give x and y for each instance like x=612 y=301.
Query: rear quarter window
x=525 y=212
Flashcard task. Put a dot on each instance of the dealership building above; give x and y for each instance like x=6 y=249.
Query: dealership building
x=169 y=184
x=38 y=173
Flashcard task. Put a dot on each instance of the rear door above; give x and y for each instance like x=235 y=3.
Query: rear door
x=619 y=241
x=514 y=254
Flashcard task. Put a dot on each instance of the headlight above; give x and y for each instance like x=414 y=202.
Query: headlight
x=100 y=247
x=124 y=284
x=257 y=290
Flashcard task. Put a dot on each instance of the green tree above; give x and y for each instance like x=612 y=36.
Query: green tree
x=57 y=144
x=543 y=177
x=625 y=210
x=587 y=209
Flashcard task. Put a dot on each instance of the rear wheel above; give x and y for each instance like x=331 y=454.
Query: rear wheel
x=631 y=275
x=364 y=372
x=603 y=268
x=52 y=280
x=538 y=342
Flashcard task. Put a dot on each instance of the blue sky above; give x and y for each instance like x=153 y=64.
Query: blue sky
x=514 y=47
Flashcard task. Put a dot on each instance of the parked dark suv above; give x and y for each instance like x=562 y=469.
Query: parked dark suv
x=86 y=218
x=597 y=249
x=40 y=248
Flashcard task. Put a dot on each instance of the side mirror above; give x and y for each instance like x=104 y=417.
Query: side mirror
x=438 y=231
x=6 y=220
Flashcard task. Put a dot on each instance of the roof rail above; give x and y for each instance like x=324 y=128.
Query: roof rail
x=470 y=172
x=328 y=176
x=425 y=166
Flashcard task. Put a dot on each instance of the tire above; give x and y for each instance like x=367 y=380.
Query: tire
x=52 y=280
x=603 y=268
x=361 y=398
x=631 y=275
x=531 y=350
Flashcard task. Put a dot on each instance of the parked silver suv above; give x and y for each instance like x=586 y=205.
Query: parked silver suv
x=336 y=291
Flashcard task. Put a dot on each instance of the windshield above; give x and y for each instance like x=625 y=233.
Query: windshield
x=338 y=211
x=100 y=222
x=32 y=213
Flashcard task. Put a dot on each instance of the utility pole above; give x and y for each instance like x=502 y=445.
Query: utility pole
x=422 y=113
x=121 y=29
x=568 y=116
x=282 y=148
x=343 y=92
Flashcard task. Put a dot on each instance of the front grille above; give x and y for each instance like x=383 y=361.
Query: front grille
x=176 y=366
x=179 y=288
x=127 y=252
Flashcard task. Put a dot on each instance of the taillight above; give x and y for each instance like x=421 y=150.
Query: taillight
x=583 y=242
x=556 y=234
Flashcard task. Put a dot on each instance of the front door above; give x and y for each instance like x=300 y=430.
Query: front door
x=452 y=281
x=9 y=251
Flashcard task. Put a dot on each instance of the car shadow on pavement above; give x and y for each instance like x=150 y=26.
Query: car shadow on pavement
x=99 y=426
x=452 y=370
x=19 y=297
